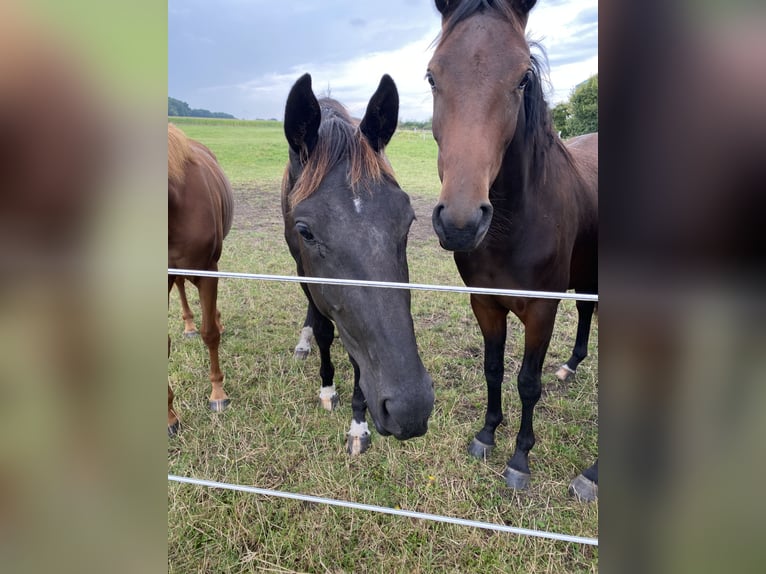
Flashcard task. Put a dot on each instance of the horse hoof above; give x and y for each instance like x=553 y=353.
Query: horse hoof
x=583 y=489
x=515 y=479
x=564 y=373
x=329 y=403
x=301 y=354
x=173 y=429
x=190 y=334
x=219 y=405
x=478 y=449
x=356 y=445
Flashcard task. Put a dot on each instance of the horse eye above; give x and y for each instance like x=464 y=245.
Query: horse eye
x=304 y=230
x=525 y=80
x=430 y=78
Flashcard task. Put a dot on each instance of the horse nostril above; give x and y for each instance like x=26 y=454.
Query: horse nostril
x=436 y=219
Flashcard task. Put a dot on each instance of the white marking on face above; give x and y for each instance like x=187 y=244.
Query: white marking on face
x=358 y=204
x=327 y=392
x=358 y=429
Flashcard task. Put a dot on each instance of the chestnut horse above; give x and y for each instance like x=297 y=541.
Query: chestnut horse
x=200 y=207
x=518 y=206
x=346 y=217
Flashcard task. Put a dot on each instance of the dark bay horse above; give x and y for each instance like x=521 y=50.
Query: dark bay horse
x=518 y=206
x=346 y=217
x=200 y=208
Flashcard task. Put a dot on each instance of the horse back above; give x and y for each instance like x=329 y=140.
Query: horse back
x=584 y=262
x=200 y=205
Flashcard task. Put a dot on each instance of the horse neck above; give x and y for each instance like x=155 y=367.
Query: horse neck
x=522 y=185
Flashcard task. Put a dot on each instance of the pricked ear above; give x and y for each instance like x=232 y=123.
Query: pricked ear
x=302 y=117
x=524 y=6
x=443 y=6
x=382 y=115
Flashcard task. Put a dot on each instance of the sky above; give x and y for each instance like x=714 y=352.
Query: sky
x=242 y=56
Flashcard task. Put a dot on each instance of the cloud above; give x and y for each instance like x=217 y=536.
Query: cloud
x=568 y=31
x=261 y=48
x=351 y=81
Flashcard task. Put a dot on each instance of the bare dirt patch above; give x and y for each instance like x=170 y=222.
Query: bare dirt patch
x=258 y=209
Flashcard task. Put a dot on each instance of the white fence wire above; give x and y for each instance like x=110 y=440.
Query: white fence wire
x=369 y=507
x=388 y=285
x=386 y=510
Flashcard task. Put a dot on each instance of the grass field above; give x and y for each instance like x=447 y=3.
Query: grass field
x=275 y=435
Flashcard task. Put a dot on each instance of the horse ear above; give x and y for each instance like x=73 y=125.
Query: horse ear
x=524 y=6
x=302 y=117
x=443 y=6
x=382 y=115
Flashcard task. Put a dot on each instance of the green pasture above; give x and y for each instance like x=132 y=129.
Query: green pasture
x=256 y=151
x=275 y=436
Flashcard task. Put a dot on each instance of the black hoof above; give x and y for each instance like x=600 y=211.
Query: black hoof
x=173 y=429
x=515 y=479
x=220 y=405
x=478 y=449
x=356 y=445
x=583 y=489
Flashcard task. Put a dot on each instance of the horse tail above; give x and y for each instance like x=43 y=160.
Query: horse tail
x=227 y=204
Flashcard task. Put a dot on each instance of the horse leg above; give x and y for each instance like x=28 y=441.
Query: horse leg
x=580 y=351
x=211 y=335
x=303 y=348
x=493 y=323
x=324 y=332
x=218 y=321
x=189 y=329
x=538 y=317
x=358 y=436
x=173 y=422
x=584 y=486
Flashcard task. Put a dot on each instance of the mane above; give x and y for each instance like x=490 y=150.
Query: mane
x=179 y=152
x=539 y=133
x=339 y=140
x=468 y=8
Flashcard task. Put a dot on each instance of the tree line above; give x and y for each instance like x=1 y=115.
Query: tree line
x=579 y=115
x=179 y=108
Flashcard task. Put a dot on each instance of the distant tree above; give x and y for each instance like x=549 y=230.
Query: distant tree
x=584 y=104
x=179 y=108
x=561 y=115
x=579 y=115
x=415 y=124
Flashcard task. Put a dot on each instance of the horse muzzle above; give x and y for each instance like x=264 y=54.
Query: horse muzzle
x=461 y=231
x=405 y=416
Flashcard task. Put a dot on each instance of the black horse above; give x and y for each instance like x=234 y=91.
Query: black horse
x=346 y=217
